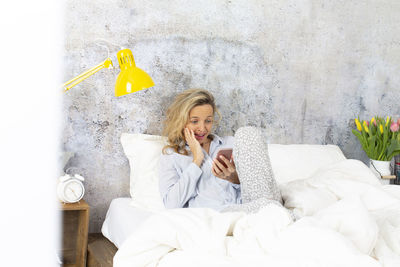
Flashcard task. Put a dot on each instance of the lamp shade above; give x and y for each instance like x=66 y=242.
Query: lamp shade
x=131 y=79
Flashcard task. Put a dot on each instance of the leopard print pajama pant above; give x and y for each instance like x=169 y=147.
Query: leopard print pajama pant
x=257 y=182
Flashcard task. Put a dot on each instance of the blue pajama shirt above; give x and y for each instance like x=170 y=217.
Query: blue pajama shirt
x=183 y=184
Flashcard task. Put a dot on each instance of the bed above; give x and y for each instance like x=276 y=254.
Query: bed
x=122 y=219
x=345 y=216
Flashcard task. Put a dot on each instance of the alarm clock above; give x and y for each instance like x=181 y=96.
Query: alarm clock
x=70 y=189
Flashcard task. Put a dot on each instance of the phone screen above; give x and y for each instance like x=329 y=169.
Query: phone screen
x=227 y=153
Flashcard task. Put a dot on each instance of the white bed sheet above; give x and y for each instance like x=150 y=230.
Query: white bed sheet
x=345 y=218
x=122 y=219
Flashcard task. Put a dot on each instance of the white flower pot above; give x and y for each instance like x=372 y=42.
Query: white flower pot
x=380 y=168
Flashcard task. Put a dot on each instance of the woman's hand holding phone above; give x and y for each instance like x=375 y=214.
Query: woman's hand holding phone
x=225 y=169
x=194 y=146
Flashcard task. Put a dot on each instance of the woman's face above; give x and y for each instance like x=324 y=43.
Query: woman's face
x=201 y=121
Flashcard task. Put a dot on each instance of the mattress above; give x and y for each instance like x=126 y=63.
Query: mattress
x=122 y=219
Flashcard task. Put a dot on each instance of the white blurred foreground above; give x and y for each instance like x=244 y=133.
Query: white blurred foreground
x=29 y=130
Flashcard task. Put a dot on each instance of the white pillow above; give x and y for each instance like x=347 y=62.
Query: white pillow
x=143 y=152
x=295 y=162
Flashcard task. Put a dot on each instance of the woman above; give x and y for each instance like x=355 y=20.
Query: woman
x=191 y=176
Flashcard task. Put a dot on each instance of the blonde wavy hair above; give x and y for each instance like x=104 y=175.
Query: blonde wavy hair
x=178 y=116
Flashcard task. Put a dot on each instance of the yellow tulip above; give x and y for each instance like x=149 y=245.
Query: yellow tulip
x=366 y=128
x=381 y=128
x=358 y=124
x=373 y=120
x=387 y=120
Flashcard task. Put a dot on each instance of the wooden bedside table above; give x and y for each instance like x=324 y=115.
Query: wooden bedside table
x=75 y=228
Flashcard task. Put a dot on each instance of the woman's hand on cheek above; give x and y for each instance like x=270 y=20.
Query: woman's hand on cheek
x=194 y=146
x=227 y=173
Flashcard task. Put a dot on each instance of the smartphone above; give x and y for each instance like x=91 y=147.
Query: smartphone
x=227 y=153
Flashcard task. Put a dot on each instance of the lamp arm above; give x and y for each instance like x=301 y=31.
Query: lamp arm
x=68 y=85
x=74 y=81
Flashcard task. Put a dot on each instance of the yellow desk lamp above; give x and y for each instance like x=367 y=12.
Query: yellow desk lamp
x=131 y=79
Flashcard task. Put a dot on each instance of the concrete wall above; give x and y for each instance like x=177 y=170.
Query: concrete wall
x=301 y=69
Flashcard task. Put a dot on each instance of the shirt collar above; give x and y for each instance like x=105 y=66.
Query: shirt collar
x=217 y=139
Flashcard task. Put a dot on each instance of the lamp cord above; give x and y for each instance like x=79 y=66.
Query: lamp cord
x=108 y=50
x=107 y=47
x=108 y=42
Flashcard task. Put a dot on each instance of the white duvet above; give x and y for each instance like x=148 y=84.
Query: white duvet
x=346 y=218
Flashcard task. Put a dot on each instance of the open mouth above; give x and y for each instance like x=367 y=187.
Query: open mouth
x=199 y=136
